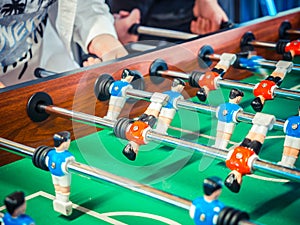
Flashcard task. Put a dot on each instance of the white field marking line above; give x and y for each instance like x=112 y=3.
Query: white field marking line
x=275 y=137
x=103 y=216
x=297 y=87
x=141 y=214
x=278 y=180
x=75 y=206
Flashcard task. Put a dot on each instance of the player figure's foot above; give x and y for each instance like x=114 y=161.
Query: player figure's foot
x=129 y=152
x=149 y=119
x=232 y=183
x=257 y=104
x=201 y=94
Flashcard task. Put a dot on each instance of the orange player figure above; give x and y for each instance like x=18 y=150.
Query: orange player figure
x=227 y=118
x=265 y=89
x=292 y=141
x=209 y=80
x=293 y=47
x=136 y=133
x=118 y=94
x=241 y=158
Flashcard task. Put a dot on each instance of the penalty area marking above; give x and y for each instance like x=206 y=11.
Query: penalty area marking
x=103 y=216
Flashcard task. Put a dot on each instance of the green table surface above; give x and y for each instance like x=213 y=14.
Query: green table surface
x=178 y=171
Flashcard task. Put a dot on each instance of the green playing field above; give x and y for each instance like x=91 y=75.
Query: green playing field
x=178 y=171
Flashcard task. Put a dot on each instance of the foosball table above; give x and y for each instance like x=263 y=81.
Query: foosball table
x=157 y=182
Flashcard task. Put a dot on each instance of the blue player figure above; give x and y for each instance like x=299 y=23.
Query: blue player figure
x=292 y=141
x=118 y=94
x=57 y=161
x=168 y=111
x=227 y=118
x=15 y=204
x=205 y=210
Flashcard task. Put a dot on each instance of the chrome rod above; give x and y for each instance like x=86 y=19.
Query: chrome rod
x=261 y=62
x=285 y=93
x=101 y=175
x=92 y=172
x=77 y=115
x=198 y=107
x=262 y=44
x=174 y=74
x=291 y=31
x=159 y=32
x=259 y=165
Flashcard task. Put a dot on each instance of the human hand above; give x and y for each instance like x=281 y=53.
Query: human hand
x=106 y=47
x=2 y=85
x=209 y=16
x=123 y=21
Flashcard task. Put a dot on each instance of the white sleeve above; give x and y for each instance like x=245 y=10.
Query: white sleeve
x=92 y=18
x=192 y=211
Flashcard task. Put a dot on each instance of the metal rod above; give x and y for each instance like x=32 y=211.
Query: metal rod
x=241 y=116
x=174 y=74
x=207 y=150
x=259 y=165
x=92 y=172
x=262 y=44
x=198 y=107
x=101 y=175
x=285 y=93
x=291 y=31
x=77 y=115
x=261 y=62
x=159 y=32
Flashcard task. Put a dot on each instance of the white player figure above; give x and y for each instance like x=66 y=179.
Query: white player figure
x=227 y=118
x=57 y=161
x=292 y=141
x=168 y=111
x=118 y=94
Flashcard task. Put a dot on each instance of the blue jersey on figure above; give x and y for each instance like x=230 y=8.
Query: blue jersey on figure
x=292 y=126
x=117 y=87
x=20 y=220
x=173 y=95
x=227 y=112
x=16 y=206
x=55 y=161
x=205 y=210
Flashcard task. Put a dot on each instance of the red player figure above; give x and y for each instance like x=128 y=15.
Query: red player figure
x=292 y=141
x=227 y=118
x=57 y=160
x=118 y=94
x=168 y=111
x=293 y=47
x=265 y=89
x=209 y=80
x=240 y=160
x=136 y=134
x=15 y=204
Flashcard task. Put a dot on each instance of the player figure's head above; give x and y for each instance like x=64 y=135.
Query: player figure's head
x=15 y=203
x=127 y=75
x=62 y=140
x=235 y=95
x=178 y=85
x=212 y=187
